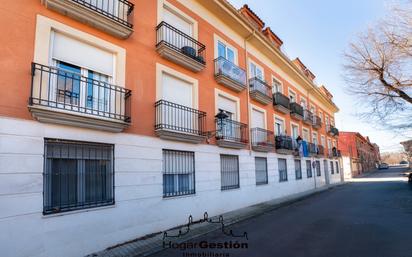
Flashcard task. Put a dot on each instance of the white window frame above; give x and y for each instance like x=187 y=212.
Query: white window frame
x=291 y=129
x=280 y=85
x=220 y=93
x=284 y=124
x=259 y=109
x=309 y=137
x=250 y=62
x=292 y=92
x=218 y=39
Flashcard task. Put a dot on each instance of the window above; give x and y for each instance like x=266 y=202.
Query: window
x=309 y=168
x=332 y=170
x=292 y=96
x=255 y=71
x=279 y=127
x=315 y=138
x=305 y=134
x=313 y=110
x=225 y=51
x=276 y=86
x=337 y=167
x=78 y=175
x=178 y=173
x=303 y=103
x=283 y=171
x=322 y=140
x=326 y=120
x=321 y=116
x=229 y=167
x=177 y=21
x=318 y=172
x=298 y=169
x=261 y=169
x=295 y=131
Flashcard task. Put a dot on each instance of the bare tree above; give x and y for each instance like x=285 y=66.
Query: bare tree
x=378 y=67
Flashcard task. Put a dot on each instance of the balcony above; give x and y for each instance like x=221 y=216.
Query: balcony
x=262 y=140
x=61 y=97
x=113 y=17
x=260 y=91
x=321 y=151
x=307 y=117
x=180 y=48
x=229 y=75
x=334 y=131
x=281 y=103
x=316 y=122
x=180 y=123
x=334 y=153
x=312 y=149
x=231 y=134
x=296 y=111
x=285 y=145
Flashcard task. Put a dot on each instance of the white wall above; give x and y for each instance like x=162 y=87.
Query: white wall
x=140 y=208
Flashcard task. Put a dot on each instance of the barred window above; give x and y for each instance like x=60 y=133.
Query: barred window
x=77 y=175
x=261 y=169
x=229 y=167
x=283 y=171
x=332 y=170
x=337 y=167
x=298 y=169
x=178 y=173
x=318 y=172
x=309 y=168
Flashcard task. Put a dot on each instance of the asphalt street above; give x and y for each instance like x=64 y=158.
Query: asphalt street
x=370 y=216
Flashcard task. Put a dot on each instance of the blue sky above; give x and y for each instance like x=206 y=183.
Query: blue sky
x=318 y=31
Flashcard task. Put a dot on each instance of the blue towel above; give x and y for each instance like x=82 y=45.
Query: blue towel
x=305 y=149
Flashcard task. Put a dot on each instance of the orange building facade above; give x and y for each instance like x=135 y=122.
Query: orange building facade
x=150 y=109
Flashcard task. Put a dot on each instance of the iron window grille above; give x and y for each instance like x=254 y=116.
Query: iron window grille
x=77 y=175
x=230 y=70
x=180 y=42
x=60 y=89
x=261 y=170
x=178 y=173
x=309 y=168
x=298 y=169
x=179 y=118
x=119 y=10
x=318 y=172
x=229 y=167
x=283 y=170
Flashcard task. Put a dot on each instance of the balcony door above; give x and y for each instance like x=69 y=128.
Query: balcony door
x=279 y=127
x=180 y=94
x=255 y=71
x=227 y=128
x=174 y=38
x=110 y=7
x=276 y=86
x=258 y=121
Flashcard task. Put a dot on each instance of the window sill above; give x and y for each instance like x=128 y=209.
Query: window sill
x=78 y=211
x=178 y=196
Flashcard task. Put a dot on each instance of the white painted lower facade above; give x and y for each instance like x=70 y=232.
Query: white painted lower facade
x=139 y=207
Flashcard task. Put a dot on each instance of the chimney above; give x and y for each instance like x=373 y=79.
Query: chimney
x=304 y=69
x=273 y=38
x=253 y=19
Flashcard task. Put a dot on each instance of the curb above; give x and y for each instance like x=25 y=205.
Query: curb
x=153 y=243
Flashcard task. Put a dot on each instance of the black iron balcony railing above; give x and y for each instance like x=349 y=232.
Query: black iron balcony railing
x=60 y=89
x=296 y=108
x=281 y=99
x=312 y=148
x=230 y=70
x=316 y=122
x=260 y=86
x=179 y=118
x=117 y=10
x=262 y=137
x=180 y=42
x=307 y=116
x=285 y=142
x=334 y=131
x=231 y=130
x=335 y=152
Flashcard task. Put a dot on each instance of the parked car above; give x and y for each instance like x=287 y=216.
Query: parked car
x=383 y=166
x=403 y=162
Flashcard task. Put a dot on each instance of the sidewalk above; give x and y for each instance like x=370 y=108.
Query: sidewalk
x=153 y=243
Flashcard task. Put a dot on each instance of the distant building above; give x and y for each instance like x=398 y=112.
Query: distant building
x=359 y=155
x=408 y=149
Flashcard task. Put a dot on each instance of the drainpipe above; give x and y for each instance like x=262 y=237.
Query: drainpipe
x=247 y=83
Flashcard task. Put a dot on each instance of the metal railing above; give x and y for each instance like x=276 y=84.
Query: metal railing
x=60 y=89
x=261 y=86
x=179 y=118
x=262 y=137
x=307 y=115
x=316 y=121
x=230 y=70
x=180 y=42
x=116 y=10
x=231 y=130
x=285 y=142
x=313 y=148
x=281 y=99
x=296 y=109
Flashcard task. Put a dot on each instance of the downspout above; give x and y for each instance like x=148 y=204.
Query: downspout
x=247 y=83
